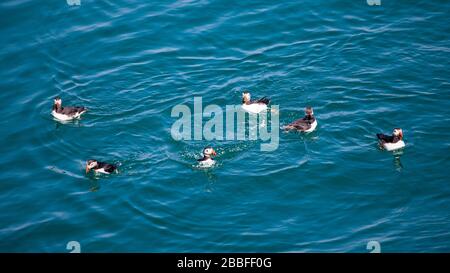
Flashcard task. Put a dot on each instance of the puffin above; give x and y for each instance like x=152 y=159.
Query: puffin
x=68 y=112
x=306 y=124
x=392 y=142
x=100 y=167
x=256 y=106
x=207 y=161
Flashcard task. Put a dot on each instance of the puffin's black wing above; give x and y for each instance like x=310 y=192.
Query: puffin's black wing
x=70 y=111
x=385 y=138
x=201 y=159
x=110 y=168
x=300 y=124
x=264 y=100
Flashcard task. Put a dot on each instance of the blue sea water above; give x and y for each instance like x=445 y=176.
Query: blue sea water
x=365 y=69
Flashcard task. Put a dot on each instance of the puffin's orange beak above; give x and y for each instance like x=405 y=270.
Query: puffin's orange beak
x=87 y=168
x=214 y=153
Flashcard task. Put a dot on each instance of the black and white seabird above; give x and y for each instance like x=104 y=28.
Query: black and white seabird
x=207 y=160
x=255 y=106
x=100 y=167
x=306 y=124
x=68 y=112
x=392 y=142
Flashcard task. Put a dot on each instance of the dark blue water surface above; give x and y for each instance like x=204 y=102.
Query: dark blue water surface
x=365 y=69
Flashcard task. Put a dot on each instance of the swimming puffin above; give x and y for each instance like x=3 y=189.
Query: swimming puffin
x=392 y=142
x=68 y=112
x=306 y=124
x=254 y=107
x=207 y=160
x=100 y=167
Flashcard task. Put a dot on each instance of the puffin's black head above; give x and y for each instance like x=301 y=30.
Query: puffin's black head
x=208 y=152
x=398 y=132
x=245 y=97
x=57 y=101
x=309 y=111
x=90 y=164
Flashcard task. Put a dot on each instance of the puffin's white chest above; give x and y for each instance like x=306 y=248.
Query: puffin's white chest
x=101 y=170
x=66 y=117
x=61 y=116
x=394 y=146
x=313 y=127
x=254 y=108
x=207 y=163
